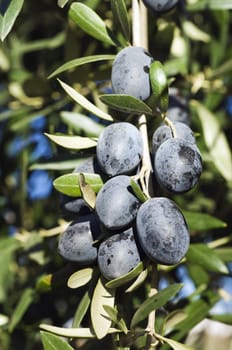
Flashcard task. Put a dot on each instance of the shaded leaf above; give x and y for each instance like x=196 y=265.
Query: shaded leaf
x=120 y=281
x=52 y=342
x=126 y=103
x=89 y=21
x=201 y=254
x=7 y=21
x=215 y=140
x=210 y=4
x=116 y=318
x=80 y=278
x=102 y=296
x=225 y=254
x=84 y=102
x=79 y=62
x=72 y=142
x=120 y=17
x=224 y=318
x=25 y=301
x=81 y=310
x=159 y=86
x=138 y=282
x=69 y=183
x=137 y=191
x=201 y=222
x=155 y=302
x=74 y=332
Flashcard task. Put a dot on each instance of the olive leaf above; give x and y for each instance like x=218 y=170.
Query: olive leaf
x=90 y=22
x=72 y=142
x=175 y=345
x=116 y=318
x=80 y=278
x=87 y=192
x=53 y=342
x=120 y=17
x=86 y=333
x=126 y=103
x=8 y=19
x=120 y=281
x=69 y=184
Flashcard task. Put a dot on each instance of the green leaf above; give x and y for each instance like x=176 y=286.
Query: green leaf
x=43 y=283
x=138 y=282
x=116 y=318
x=72 y=142
x=62 y=3
x=100 y=320
x=7 y=21
x=137 y=191
x=25 y=301
x=159 y=85
x=172 y=319
x=87 y=193
x=80 y=278
x=120 y=281
x=195 y=33
x=84 y=102
x=82 y=123
x=206 y=257
x=81 y=310
x=85 y=333
x=120 y=17
x=52 y=342
x=215 y=139
x=89 y=21
x=201 y=222
x=225 y=254
x=69 y=183
x=224 y=318
x=126 y=103
x=79 y=62
x=210 y=4
x=155 y=302
x=173 y=343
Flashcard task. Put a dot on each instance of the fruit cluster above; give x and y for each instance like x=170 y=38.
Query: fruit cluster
x=122 y=229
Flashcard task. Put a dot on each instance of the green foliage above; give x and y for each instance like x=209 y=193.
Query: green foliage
x=77 y=41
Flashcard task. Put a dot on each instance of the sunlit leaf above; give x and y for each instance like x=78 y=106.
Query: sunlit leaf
x=138 y=282
x=126 y=103
x=215 y=140
x=7 y=21
x=120 y=281
x=172 y=319
x=62 y=3
x=52 y=342
x=72 y=142
x=155 y=302
x=201 y=221
x=100 y=320
x=175 y=345
x=87 y=192
x=199 y=253
x=3 y=320
x=79 y=62
x=80 y=278
x=24 y=302
x=120 y=16
x=90 y=22
x=195 y=33
x=69 y=184
x=84 y=102
x=43 y=284
x=210 y=4
x=74 y=332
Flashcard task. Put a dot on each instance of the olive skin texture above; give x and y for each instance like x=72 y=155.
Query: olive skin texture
x=162 y=231
x=116 y=206
x=76 y=243
x=160 y=5
x=118 y=255
x=130 y=72
x=119 y=149
x=177 y=165
x=164 y=132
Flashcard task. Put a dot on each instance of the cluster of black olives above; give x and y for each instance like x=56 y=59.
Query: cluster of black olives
x=121 y=230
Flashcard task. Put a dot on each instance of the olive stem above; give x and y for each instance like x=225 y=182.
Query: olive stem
x=169 y=123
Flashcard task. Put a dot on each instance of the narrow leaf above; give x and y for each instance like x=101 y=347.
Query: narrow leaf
x=79 y=62
x=74 y=332
x=175 y=345
x=210 y=4
x=69 y=183
x=87 y=192
x=120 y=16
x=72 y=142
x=62 y=3
x=117 y=282
x=138 y=282
x=155 y=302
x=25 y=301
x=80 y=278
x=89 y=21
x=126 y=103
x=195 y=33
x=52 y=342
x=201 y=254
x=224 y=318
x=116 y=318
x=81 y=310
x=201 y=222
x=137 y=191
x=84 y=102
x=100 y=320
x=215 y=140
x=9 y=18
